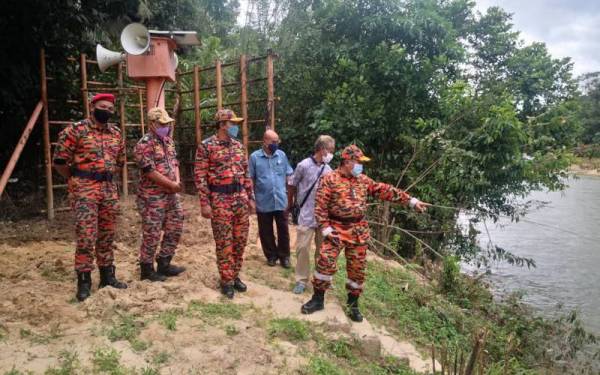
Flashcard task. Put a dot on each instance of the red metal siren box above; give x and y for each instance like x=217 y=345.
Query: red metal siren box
x=158 y=61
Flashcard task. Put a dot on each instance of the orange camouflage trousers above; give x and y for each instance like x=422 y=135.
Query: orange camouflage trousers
x=95 y=222
x=356 y=254
x=160 y=213
x=230 y=224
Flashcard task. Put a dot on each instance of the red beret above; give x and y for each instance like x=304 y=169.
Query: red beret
x=107 y=97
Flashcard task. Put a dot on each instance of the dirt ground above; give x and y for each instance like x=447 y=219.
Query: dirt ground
x=40 y=320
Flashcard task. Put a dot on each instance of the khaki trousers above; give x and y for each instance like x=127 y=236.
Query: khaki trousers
x=304 y=238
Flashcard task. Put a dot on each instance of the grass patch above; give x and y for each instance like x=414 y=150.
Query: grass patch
x=323 y=366
x=54 y=333
x=161 y=358
x=150 y=371
x=214 y=312
x=68 y=364
x=14 y=371
x=289 y=329
x=169 y=318
x=51 y=272
x=127 y=328
x=107 y=361
x=231 y=330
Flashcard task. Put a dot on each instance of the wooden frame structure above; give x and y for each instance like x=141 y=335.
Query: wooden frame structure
x=188 y=89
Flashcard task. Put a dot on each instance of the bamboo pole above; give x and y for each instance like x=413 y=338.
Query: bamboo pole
x=84 y=85
x=197 y=114
x=20 y=145
x=124 y=171
x=219 y=84
x=47 y=156
x=270 y=91
x=244 y=101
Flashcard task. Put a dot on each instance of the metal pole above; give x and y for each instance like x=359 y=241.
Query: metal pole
x=47 y=156
x=219 y=84
x=270 y=90
x=141 y=97
x=124 y=172
x=244 y=101
x=197 y=115
x=84 y=85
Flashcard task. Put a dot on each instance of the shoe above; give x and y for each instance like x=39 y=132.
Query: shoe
x=299 y=288
x=239 y=285
x=353 y=311
x=285 y=263
x=84 y=285
x=315 y=303
x=164 y=267
x=271 y=262
x=147 y=273
x=227 y=290
x=107 y=278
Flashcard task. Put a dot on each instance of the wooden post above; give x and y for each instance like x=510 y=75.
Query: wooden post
x=47 y=156
x=124 y=174
x=244 y=101
x=10 y=166
x=270 y=90
x=219 y=84
x=141 y=98
x=197 y=114
x=84 y=85
x=433 y=358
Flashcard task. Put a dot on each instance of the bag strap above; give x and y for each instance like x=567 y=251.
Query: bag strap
x=312 y=186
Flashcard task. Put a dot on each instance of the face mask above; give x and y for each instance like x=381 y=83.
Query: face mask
x=233 y=130
x=327 y=158
x=273 y=147
x=357 y=169
x=102 y=115
x=163 y=131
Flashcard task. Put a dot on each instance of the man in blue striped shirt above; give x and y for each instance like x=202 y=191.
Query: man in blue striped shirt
x=270 y=170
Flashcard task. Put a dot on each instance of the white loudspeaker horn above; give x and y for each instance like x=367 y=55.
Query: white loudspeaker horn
x=174 y=61
x=107 y=58
x=135 y=39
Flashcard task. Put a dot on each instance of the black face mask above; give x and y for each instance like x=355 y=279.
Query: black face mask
x=102 y=115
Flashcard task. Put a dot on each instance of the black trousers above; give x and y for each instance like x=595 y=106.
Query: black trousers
x=271 y=249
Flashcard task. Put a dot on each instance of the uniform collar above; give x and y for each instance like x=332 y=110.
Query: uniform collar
x=93 y=125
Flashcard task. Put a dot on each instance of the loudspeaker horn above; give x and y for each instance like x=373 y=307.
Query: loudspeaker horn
x=107 y=58
x=135 y=39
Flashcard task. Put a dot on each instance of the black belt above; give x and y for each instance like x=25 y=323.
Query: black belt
x=96 y=176
x=347 y=220
x=225 y=189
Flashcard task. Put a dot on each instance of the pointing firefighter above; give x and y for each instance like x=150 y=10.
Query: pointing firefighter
x=341 y=206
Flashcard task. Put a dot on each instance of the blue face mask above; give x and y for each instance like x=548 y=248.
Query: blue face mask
x=357 y=169
x=273 y=147
x=233 y=131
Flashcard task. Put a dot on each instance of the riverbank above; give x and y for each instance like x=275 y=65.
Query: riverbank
x=586 y=167
x=184 y=326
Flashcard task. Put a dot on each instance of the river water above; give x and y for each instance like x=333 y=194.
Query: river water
x=564 y=240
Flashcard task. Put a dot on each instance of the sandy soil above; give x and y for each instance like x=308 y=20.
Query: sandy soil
x=39 y=317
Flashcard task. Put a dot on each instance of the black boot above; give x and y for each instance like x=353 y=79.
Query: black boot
x=164 y=267
x=239 y=285
x=315 y=303
x=107 y=278
x=353 y=311
x=147 y=273
x=84 y=285
x=227 y=290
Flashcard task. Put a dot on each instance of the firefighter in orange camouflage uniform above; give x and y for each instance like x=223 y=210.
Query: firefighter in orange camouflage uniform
x=341 y=206
x=226 y=197
x=158 y=201
x=89 y=154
